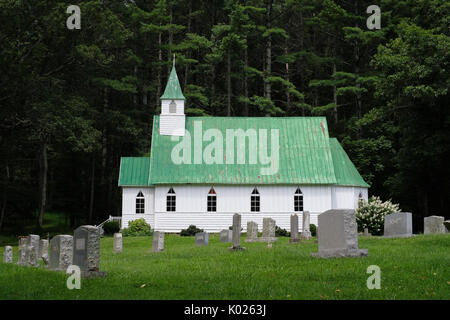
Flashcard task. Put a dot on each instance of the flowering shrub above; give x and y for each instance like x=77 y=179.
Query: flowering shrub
x=371 y=214
x=137 y=228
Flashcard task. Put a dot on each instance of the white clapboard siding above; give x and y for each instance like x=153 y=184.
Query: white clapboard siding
x=172 y=125
x=191 y=205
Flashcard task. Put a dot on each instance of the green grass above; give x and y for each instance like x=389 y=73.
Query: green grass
x=412 y=268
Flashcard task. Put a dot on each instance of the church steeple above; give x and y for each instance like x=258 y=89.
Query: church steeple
x=172 y=118
x=173 y=88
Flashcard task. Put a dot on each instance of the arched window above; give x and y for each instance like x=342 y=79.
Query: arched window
x=140 y=203
x=171 y=201
x=172 y=107
x=298 y=200
x=212 y=200
x=255 y=201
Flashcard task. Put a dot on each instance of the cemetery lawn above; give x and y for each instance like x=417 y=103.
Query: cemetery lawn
x=412 y=268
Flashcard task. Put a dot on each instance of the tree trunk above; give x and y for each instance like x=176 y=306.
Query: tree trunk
x=169 y=51
x=159 y=85
x=229 y=83
x=104 y=135
x=267 y=85
x=43 y=170
x=5 y=197
x=288 y=96
x=335 y=111
x=245 y=82
x=188 y=53
x=91 y=200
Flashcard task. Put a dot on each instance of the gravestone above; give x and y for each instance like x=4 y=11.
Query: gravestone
x=33 y=250
x=294 y=229
x=117 y=242
x=252 y=232
x=158 y=241
x=338 y=235
x=23 y=252
x=201 y=239
x=398 y=225
x=433 y=225
x=268 y=232
x=306 y=233
x=43 y=248
x=366 y=232
x=8 y=255
x=447 y=226
x=86 y=251
x=236 y=241
x=226 y=235
x=61 y=252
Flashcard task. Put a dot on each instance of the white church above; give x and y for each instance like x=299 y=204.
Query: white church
x=202 y=170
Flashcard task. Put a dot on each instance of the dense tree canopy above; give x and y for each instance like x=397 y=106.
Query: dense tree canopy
x=72 y=102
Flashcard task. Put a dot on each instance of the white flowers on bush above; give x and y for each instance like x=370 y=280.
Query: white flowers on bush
x=370 y=214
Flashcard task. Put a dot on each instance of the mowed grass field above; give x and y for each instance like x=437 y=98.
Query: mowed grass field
x=412 y=268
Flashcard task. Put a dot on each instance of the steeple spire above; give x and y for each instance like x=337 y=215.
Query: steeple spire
x=173 y=88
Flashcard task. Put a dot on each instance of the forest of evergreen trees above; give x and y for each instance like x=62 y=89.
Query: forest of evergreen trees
x=72 y=102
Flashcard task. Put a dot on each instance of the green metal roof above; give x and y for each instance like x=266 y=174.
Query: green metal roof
x=173 y=88
x=134 y=171
x=346 y=173
x=304 y=153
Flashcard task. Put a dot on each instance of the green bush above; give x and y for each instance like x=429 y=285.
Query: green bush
x=137 y=228
x=111 y=227
x=281 y=232
x=370 y=214
x=191 y=231
x=313 y=229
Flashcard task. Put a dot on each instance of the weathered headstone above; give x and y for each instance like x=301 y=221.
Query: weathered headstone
x=201 y=239
x=252 y=231
x=433 y=225
x=8 y=255
x=226 y=235
x=158 y=241
x=306 y=233
x=268 y=232
x=23 y=252
x=236 y=243
x=61 y=252
x=447 y=226
x=294 y=229
x=398 y=225
x=366 y=232
x=33 y=250
x=86 y=251
x=43 y=248
x=317 y=235
x=338 y=235
x=117 y=242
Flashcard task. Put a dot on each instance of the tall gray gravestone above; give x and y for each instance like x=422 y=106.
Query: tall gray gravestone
x=268 y=232
x=294 y=229
x=236 y=241
x=306 y=233
x=226 y=235
x=433 y=225
x=201 y=239
x=398 y=225
x=8 y=254
x=118 y=242
x=338 y=235
x=252 y=231
x=61 y=252
x=158 y=241
x=33 y=250
x=86 y=251
x=43 y=248
x=23 y=252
